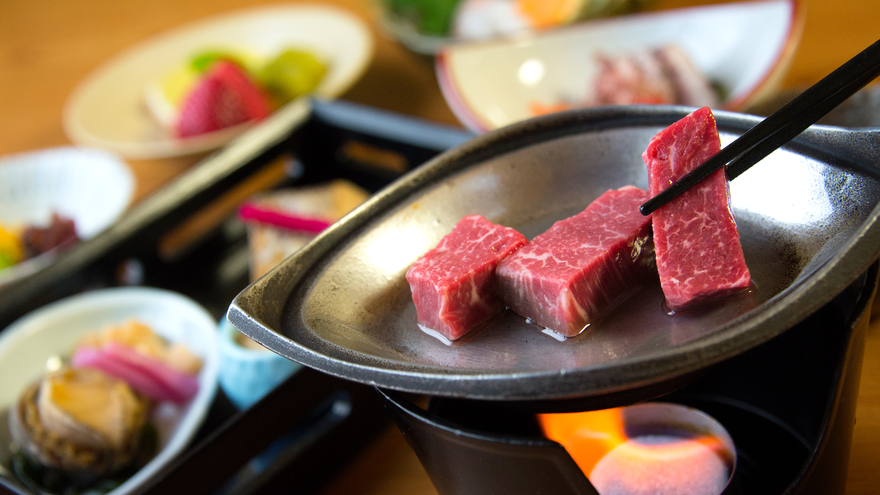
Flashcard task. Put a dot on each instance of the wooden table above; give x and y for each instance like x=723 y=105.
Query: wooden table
x=48 y=46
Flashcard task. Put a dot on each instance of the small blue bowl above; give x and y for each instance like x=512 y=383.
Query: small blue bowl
x=246 y=375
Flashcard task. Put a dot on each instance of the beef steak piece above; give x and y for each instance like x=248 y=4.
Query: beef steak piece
x=452 y=285
x=567 y=277
x=699 y=256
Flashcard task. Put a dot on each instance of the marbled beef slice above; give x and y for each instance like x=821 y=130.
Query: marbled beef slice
x=699 y=255
x=452 y=285
x=583 y=266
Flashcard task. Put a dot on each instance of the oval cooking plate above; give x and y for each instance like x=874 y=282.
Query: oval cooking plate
x=342 y=305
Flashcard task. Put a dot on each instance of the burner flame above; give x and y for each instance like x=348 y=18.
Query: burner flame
x=625 y=457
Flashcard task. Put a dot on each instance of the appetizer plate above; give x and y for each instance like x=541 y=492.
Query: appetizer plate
x=745 y=47
x=107 y=109
x=90 y=186
x=27 y=344
x=807 y=215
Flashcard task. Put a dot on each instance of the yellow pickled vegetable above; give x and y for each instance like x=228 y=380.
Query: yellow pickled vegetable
x=11 y=251
x=549 y=13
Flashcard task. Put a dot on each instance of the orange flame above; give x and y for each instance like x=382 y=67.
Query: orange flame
x=587 y=436
x=647 y=463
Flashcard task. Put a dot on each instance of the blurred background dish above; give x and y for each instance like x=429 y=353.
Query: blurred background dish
x=31 y=342
x=89 y=187
x=109 y=110
x=424 y=26
x=282 y=221
x=743 y=49
x=279 y=223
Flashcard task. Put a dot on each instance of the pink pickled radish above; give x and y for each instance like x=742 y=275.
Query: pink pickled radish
x=148 y=376
x=249 y=211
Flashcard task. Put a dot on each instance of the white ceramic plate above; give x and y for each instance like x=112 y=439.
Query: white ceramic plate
x=745 y=46
x=26 y=345
x=90 y=186
x=107 y=109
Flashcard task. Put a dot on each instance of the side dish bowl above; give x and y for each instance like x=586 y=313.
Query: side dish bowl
x=27 y=344
x=90 y=186
x=744 y=47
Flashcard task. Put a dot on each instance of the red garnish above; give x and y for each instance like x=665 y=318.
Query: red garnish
x=223 y=98
x=276 y=218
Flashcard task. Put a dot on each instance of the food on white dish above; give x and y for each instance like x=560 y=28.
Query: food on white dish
x=656 y=76
x=486 y=19
x=662 y=75
x=580 y=268
x=60 y=232
x=76 y=427
x=483 y=19
x=427 y=17
x=453 y=284
x=699 y=255
x=11 y=250
x=223 y=88
x=132 y=352
x=225 y=97
x=34 y=240
x=86 y=422
x=140 y=338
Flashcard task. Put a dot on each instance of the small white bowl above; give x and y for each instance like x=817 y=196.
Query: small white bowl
x=52 y=330
x=247 y=375
x=90 y=186
x=745 y=46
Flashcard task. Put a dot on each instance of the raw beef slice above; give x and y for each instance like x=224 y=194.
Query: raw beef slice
x=699 y=255
x=452 y=285
x=581 y=267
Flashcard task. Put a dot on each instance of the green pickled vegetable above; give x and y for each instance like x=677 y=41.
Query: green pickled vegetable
x=200 y=62
x=7 y=259
x=433 y=17
x=291 y=74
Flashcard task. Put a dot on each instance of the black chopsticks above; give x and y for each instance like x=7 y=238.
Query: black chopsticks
x=782 y=126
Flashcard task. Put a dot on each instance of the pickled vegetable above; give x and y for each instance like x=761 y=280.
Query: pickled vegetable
x=10 y=248
x=291 y=74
